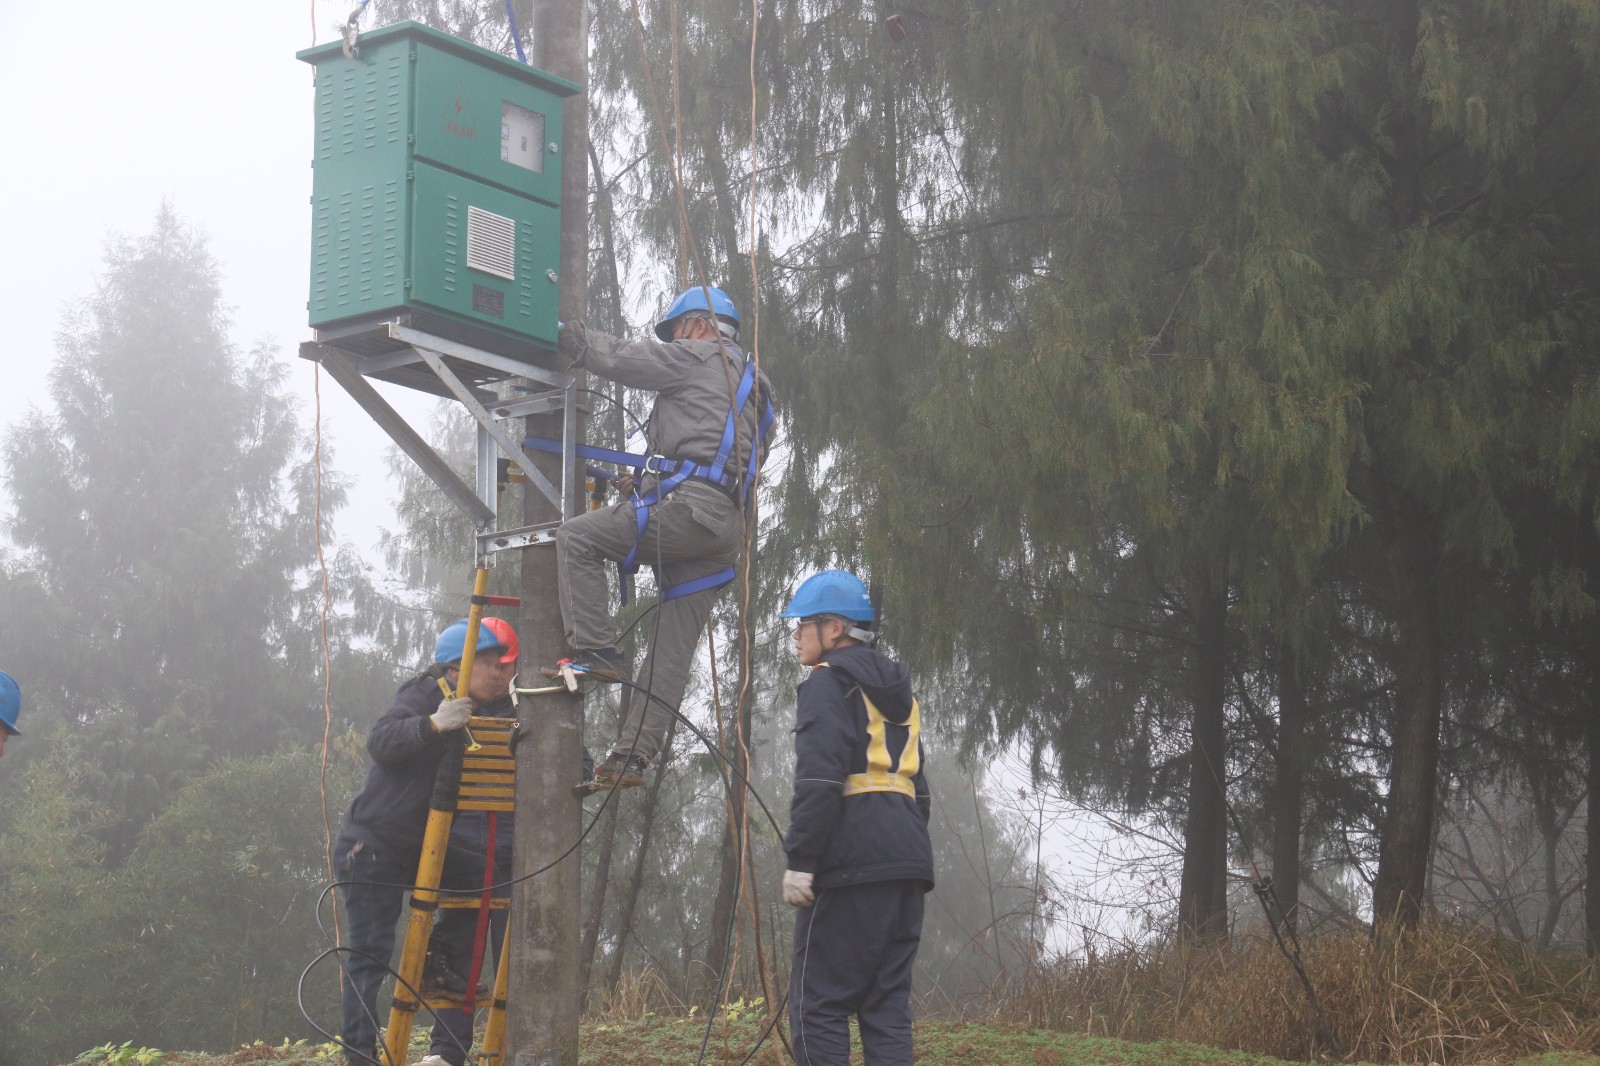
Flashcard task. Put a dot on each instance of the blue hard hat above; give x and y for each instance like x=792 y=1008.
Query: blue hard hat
x=10 y=703
x=452 y=643
x=831 y=592
x=694 y=299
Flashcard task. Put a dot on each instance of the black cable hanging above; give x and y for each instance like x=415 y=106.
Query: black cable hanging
x=726 y=770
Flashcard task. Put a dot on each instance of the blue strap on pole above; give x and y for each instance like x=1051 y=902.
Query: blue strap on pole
x=653 y=464
x=586 y=451
x=516 y=36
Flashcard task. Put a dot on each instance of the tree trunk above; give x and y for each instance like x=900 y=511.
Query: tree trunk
x=1591 y=861
x=1550 y=827
x=597 y=897
x=605 y=217
x=1202 y=905
x=1288 y=785
x=724 y=262
x=735 y=840
x=630 y=898
x=1406 y=835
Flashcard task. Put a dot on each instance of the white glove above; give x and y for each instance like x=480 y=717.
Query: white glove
x=797 y=889
x=452 y=714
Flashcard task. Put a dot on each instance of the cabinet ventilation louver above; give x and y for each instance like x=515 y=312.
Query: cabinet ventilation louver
x=492 y=243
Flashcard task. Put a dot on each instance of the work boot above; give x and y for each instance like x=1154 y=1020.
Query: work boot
x=620 y=771
x=441 y=978
x=603 y=665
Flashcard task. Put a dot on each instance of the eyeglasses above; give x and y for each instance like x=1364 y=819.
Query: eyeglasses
x=818 y=618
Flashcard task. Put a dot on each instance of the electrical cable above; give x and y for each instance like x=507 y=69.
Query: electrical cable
x=649 y=694
x=337 y=952
x=322 y=565
x=327 y=654
x=740 y=833
x=725 y=766
x=638 y=423
x=516 y=35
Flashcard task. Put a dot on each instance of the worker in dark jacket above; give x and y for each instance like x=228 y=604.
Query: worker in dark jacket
x=684 y=516
x=859 y=856
x=380 y=836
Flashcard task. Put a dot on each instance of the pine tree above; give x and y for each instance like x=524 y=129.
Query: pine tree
x=162 y=598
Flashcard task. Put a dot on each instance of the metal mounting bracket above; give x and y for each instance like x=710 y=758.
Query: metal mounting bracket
x=445 y=367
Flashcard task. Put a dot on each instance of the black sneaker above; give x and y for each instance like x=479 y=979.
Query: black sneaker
x=601 y=664
x=620 y=771
x=442 y=979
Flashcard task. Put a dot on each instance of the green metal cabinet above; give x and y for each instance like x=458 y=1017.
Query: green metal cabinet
x=436 y=187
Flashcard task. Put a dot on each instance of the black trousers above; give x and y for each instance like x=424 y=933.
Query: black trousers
x=853 y=953
x=374 y=896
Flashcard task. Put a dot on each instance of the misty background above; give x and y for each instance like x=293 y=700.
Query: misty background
x=1211 y=389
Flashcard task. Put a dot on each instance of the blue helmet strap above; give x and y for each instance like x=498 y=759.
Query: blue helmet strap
x=852 y=630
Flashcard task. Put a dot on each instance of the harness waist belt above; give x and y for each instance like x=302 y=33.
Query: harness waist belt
x=647 y=464
x=856 y=784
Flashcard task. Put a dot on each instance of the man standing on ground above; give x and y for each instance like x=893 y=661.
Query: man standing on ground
x=859 y=856
x=685 y=516
x=380 y=836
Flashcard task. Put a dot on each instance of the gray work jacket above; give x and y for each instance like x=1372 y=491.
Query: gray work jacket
x=695 y=383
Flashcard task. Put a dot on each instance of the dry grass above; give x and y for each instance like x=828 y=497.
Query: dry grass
x=1442 y=994
x=639 y=994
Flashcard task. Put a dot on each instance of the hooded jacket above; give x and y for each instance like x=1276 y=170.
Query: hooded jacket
x=870 y=835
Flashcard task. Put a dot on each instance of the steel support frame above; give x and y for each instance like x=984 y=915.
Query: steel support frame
x=479 y=501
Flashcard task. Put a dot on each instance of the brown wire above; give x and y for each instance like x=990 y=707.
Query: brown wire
x=327 y=667
x=690 y=245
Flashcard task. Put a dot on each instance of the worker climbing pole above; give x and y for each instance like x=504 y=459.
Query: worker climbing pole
x=684 y=514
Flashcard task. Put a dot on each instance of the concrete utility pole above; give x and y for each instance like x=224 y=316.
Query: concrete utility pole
x=544 y=988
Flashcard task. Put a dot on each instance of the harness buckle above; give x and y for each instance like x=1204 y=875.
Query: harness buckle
x=650 y=462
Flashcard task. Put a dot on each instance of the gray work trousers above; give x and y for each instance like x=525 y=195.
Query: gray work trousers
x=695 y=531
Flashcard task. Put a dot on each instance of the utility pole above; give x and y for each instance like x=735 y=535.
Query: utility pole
x=544 y=987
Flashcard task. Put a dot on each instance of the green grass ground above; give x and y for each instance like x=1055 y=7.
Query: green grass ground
x=658 y=1041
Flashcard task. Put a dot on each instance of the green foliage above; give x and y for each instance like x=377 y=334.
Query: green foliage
x=1086 y=317
x=164 y=592
x=69 y=925
x=162 y=604
x=236 y=865
x=121 y=1055
x=198 y=940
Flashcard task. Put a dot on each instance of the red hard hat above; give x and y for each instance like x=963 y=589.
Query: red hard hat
x=505 y=636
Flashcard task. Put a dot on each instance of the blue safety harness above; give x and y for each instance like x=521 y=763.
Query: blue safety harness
x=671 y=473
